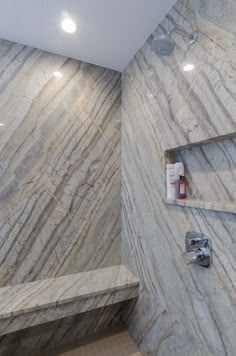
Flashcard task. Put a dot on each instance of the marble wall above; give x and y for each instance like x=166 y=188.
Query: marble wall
x=182 y=310
x=59 y=165
x=60 y=178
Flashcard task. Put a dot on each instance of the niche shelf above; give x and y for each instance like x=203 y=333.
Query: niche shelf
x=202 y=204
x=210 y=174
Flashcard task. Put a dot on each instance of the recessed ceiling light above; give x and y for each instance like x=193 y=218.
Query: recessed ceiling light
x=1 y=124
x=68 y=26
x=57 y=75
x=188 y=67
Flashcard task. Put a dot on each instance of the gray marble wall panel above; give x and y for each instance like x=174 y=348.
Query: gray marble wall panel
x=196 y=105
x=60 y=179
x=221 y=13
x=59 y=165
x=182 y=310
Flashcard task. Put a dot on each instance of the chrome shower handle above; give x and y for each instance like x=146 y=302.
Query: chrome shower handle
x=198 y=249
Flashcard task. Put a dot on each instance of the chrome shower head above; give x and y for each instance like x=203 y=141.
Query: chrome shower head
x=163 y=45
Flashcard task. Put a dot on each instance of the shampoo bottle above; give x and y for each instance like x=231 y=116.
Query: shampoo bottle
x=180 y=183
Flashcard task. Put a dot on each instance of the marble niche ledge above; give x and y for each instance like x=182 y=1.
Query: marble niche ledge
x=215 y=139
x=29 y=304
x=226 y=207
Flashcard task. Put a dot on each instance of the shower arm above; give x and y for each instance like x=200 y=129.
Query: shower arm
x=191 y=36
x=180 y=31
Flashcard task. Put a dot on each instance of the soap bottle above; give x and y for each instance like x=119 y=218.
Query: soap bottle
x=180 y=182
x=170 y=181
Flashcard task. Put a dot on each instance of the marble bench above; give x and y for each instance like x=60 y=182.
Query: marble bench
x=29 y=304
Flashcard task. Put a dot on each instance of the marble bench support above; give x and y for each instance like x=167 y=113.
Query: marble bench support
x=30 y=304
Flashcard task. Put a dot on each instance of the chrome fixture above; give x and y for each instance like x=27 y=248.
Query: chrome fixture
x=163 y=44
x=198 y=249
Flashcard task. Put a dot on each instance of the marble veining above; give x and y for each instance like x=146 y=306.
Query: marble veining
x=59 y=165
x=60 y=183
x=221 y=13
x=197 y=105
x=182 y=310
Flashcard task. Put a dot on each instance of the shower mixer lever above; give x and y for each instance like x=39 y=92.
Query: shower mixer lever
x=198 y=249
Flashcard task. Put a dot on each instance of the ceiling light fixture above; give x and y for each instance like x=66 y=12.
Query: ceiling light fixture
x=68 y=25
x=1 y=124
x=188 y=67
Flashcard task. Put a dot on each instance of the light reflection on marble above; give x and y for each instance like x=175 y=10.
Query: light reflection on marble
x=182 y=310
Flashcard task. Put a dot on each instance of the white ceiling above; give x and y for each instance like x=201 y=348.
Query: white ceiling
x=109 y=32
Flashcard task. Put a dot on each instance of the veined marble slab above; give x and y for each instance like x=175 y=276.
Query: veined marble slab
x=60 y=180
x=182 y=310
x=59 y=166
x=34 y=303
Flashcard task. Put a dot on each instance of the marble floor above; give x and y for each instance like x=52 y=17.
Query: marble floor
x=117 y=343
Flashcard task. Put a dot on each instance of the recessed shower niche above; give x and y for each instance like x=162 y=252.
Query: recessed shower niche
x=210 y=168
